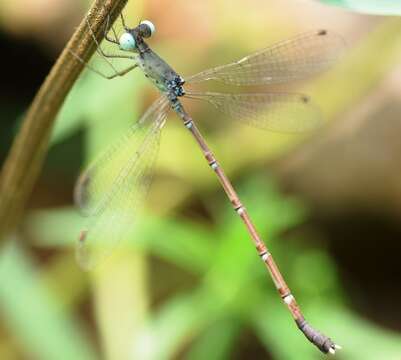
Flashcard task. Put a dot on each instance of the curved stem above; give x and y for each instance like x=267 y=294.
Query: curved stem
x=28 y=151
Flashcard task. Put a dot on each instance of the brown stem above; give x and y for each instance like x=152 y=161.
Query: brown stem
x=28 y=151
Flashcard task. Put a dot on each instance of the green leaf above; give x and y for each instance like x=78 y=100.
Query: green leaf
x=33 y=314
x=45 y=226
x=216 y=343
x=187 y=245
x=174 y=325
x=377 y=7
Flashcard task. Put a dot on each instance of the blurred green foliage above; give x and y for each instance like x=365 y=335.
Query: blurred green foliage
x=230 y=290
x=188 y=283
x=45 y=329
x=382 y=7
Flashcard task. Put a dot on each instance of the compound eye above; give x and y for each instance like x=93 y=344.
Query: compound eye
x=127 y=42
x=150 y=27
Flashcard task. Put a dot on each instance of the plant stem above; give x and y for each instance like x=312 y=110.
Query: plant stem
x=28 y=151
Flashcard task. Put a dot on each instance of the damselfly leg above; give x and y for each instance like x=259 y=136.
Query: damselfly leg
x=106 y=56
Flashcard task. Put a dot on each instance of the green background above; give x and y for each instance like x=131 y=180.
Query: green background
x=186 y=283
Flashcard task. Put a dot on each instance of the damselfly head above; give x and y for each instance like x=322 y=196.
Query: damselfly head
x=130 y=40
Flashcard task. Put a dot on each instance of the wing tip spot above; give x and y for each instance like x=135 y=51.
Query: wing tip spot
x=322 y=32
x=82 y=235
x=305 y=99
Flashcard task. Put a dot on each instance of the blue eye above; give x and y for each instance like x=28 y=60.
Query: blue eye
x=127 y=42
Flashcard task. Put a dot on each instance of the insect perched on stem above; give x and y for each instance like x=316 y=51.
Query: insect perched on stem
x=113 y=187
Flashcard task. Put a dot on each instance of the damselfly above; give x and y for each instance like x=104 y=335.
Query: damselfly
x=113 y=187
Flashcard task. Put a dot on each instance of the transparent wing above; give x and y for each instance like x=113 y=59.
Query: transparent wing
x=281 y=112
x=292 y=59
x=111 y=190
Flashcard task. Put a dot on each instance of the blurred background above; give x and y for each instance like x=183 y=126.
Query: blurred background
x=187 y=284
